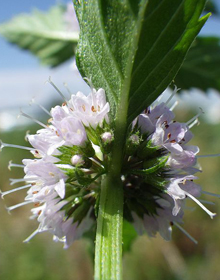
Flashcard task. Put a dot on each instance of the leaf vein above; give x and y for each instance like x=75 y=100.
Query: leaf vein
x=156 y=41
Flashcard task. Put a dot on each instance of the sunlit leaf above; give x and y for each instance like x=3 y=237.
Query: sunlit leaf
x=133 y=49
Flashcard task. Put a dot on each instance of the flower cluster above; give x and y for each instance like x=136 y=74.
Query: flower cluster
x=64 y=178
x=71 y=156
x=159 y=172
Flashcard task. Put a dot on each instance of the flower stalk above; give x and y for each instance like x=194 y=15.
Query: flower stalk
x=108 y=247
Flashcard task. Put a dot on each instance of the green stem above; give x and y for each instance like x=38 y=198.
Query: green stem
x=108 y=247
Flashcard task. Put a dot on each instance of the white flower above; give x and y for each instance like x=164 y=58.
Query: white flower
x=57 y=177
x=92 y=109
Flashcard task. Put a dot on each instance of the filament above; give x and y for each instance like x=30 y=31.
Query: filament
x=15 y=181
x=195 y=117
x=185 y=232
x=204 y=156
x=56 y=88
x=201 y=205
x=10 y=164
x=172 y=95
x=40 y=106
x=18 y=205
x=66 y=86
x=14 y=190
x=211 y=194
x=31 y=118
x=2 y=145
x=31 y=236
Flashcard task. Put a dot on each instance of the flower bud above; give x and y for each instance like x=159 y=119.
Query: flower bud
x=107 y=137
x=77 y=160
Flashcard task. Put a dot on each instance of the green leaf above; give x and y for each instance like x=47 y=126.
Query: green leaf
x=43 y=34
x=155 y=166
x=133 y=49
x=129 y=236
x=201 y=67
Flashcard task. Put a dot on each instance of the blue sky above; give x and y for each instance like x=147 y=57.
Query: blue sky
x=11 y=56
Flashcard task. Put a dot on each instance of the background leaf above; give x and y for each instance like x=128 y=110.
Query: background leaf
x=133 y=49
x=211 y=7
x=43 y=34
x=201 y=67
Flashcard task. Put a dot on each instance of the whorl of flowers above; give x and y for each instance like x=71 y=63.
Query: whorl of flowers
x=71 y=157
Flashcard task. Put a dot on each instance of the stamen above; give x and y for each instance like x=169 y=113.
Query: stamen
x=206 y=202
x=196 y=121
x=14 y=190
x=204 y=156
x=31 y=236
x=31 y=118
x=10 y=164
x=56 y=88
x=2 y=145
x=195 y=117
x=40 y=106
x=211 y=194
x=15 y=181
x=172 y=95
x=185 y=232
x=66 y=86
x=201 y=205
x=18 y=205
x=90 y=83
x=174 y=105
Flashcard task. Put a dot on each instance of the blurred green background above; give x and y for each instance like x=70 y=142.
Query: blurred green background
x=147 y=259
x=153 y=259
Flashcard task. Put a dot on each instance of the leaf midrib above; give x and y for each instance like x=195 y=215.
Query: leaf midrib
x=156 y=66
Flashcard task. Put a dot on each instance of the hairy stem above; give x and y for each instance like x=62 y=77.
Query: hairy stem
x=108 y=251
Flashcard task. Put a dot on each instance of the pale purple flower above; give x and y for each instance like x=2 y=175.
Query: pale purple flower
x=52 y=177
x=92 y=109
x=71 y=155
